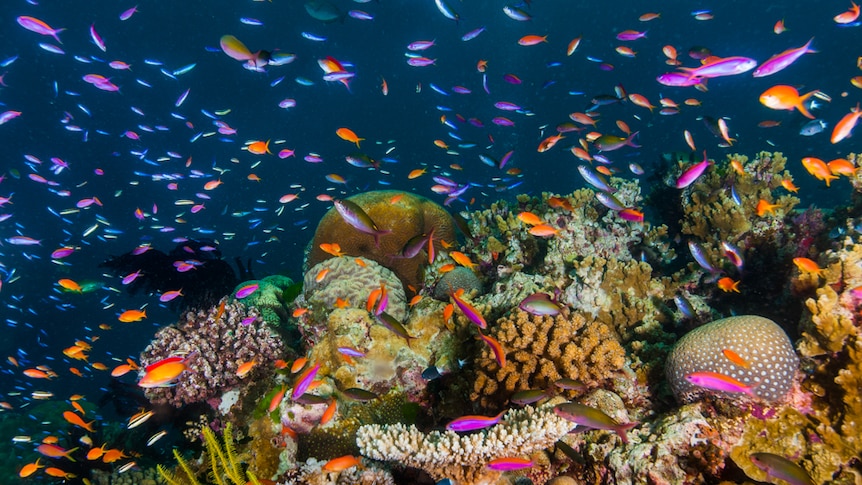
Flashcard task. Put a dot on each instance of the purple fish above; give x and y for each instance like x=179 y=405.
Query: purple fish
x=692 y=173
x=502 y=121
x=678 y=79
x=728 y=66
x=472 y=34
x=23 y=241
x=304 y=381
x=246 y=290
x=420 y=61
x=9 y=115
x=700 y=256
x=631 y=35
x=127 y=14
x=472 y=423
x=720 y=382
x=358 y=219
x=35 y=25
x=780 y=61
x=360 y=15
x=420 y=45
x=506 y=106
x=509 y=464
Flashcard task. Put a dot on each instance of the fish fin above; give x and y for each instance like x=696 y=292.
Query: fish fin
x=801 y=106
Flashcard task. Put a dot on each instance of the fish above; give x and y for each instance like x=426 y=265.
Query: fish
x=593 y=418
x=446 y=10
x=353 y=215
x=727 y=284
x=719 y=382
x=540 y=304
x=303 y=381
x=76 y=420
x=692 y=173
x=165 y=372
x=129 y=316
x=807 y=265
x=473 y=422
x=735 y=358
x=845 y=126
x=467 y=310
x=341 y=463
x=728 y=66
x=323 y=10
x=779 y=467
x=607 y=143
x=812 y=128
x=509 y=464
x=819 y=169
x=781 y=61
x=496 y=349
x=764 y=207
x=783 y=97
x=849 y=16
x=246 y=290
x=38 y=26
x=348 y=135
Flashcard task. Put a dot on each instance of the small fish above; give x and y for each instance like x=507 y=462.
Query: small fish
x=540 y=304
x=692 y=173
x=347 y=134
x=735 y=358
x=780 y=61
x=509 y=464
x=807 y=265
x=276 y=399
x=467 y=309
x=129 y=316
x=472 y=423
x=304 y=381
x=727 y=284
x=246 y=290
x=358 y=394
x=593 y=418
x=719 y=382
x=779 y=467
x=341 y=463
x=359 y=219
x=699 y=255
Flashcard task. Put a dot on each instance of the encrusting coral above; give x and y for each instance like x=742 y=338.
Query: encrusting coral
x=215 y=348
x=463 y=458
x=543 y=349
x=267 y=298
x=406 y=215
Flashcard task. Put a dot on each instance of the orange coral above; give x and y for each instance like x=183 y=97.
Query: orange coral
x=542 y=349
x=411 y=215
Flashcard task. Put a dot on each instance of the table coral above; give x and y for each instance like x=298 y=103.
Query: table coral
x=462 y=458
x=409 y=216
x=351 y=280
x=543 y=349
x=768 y=361
x=215 y=349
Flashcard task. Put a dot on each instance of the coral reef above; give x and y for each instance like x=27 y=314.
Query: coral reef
x=462 y=458
x=312 y=473
x=224 y=466
x=458 y=278
x=267 y=300
x=406 y=215
x=542 y=349
x=351 y=280
x=215 y=347
x=768 y=361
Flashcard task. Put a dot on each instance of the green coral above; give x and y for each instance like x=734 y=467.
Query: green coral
x=268 y=298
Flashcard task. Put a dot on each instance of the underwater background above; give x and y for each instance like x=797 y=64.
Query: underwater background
x=167 y=182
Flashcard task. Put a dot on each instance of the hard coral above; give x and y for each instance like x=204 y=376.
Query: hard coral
x=215 y=349
x=768 y=363
x=462 y=458
x=543 y=349
x=352 y=280
x=267 y=299
x=409 y=216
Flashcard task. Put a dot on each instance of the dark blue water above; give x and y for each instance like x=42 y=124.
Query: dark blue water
x=49 y=90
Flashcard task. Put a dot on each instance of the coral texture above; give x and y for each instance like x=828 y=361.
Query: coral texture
x=351 y=280
x=543 y=349
x=458 y=278
x=768 y=363
x=312 y=473
x=215 y=349
x=267 y=299
x=462 y=458
x=409 y=216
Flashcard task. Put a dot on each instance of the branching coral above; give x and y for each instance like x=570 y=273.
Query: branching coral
x=543 y=349
x=462 y=458
x=406 y=215
x=215 y=349
x=224 y=465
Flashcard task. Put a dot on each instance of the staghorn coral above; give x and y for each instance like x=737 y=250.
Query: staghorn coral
x=351 y=280
x=215 y=349
x=543 y=349
x=409 y=216
x=462 y=458
x=760 y=342
x=267 y=299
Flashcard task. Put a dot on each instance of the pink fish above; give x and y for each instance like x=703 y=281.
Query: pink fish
x=692 y=173
x=246 y=290
x=129 y=278
x=509 y=464
x=35 y=25
x=8 y=116
x=472 y=423
x=728 y=66
x=304 y=381
x=678 y=79
x=97 y=39
x=23 y=241
x=780 y=61
x=62 y=252
x=127 y=14
x=720 y=382
x=627 y=35
x=170 y=295
x=420 y=61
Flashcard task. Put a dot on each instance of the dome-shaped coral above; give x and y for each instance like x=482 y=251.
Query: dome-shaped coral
x=407 y=217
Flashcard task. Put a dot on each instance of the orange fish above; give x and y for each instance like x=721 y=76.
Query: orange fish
x=395 y=198
x=786 y=97
x=462 y=259
x=212 y=184
x=253 y=177
x=70 y=285
x=341 y=303
x=259 y=147
x=332 y=248
x=56 y=472
x=845 y=126
x=243 y=369
x=560 y=202
x=129 y=316
x=727 y=284
x=763 y=207
x=299 y=312
x=549 y=142
x=329 y=413
x=532 y=39
x=543 y=230
x=735 y=358
x=807 y=265
x=530 y=219
x=384 y=88
x=30 y=468
x=38 y=374
x=573 y=46
x=321 y=275
x=113 y=455
x=416 y=173
x=164 y=372
x=220 y=311
x=818 y=169
x=341 y=463
x=298 y=364
x=789 y=185
x=76 y=420
x=96 y=453
x=446 y=268
x=347 y=134
x=849 y=16
x=415 y=300
x=842 y=166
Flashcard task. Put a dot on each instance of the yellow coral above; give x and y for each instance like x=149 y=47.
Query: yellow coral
x=543 y=349
x=224 y=466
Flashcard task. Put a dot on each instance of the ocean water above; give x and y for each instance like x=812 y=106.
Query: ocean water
x=126 y=139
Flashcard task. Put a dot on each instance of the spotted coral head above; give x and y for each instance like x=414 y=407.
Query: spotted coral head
x=403 y=214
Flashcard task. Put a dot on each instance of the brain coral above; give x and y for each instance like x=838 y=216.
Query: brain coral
x=769 y=360
x=409 y=216
x=352 y=281
x=460 y=277
x=543 y=349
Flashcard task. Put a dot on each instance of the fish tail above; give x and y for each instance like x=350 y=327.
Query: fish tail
x=801 y=105
x=621 y=429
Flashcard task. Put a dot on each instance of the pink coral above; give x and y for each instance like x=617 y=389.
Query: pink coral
x=215 y=348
